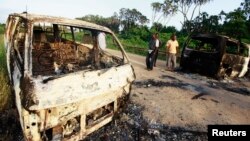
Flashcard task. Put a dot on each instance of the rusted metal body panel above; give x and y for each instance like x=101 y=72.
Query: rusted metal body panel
x=65 y=85
x=215 y=55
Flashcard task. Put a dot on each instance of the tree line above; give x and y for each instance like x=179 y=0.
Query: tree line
x=132 y=26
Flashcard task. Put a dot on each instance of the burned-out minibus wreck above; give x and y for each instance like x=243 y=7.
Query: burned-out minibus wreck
x=215 y=55
x=66 y=84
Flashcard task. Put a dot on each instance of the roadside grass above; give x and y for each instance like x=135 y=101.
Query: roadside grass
x=5 y=92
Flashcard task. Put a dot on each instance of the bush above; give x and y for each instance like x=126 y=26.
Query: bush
x=5 y=93
x=2 y=28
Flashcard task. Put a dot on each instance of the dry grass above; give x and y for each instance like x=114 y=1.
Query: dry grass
x=5 y=93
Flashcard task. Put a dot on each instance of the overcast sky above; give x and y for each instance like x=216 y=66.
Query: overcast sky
x=105 y=8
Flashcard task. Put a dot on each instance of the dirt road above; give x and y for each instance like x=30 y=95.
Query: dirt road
x=189 y=100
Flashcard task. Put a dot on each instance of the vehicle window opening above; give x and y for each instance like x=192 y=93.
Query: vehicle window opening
x=60 y=49
x=232 y=48
x=203 y=45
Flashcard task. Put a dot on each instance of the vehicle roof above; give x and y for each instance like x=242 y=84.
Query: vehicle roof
x=211 y=35
x=60 y=20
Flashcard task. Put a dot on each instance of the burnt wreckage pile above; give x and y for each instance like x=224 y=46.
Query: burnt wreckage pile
x=130 y=125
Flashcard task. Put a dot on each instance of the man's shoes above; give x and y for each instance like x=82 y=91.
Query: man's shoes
x=168 y=69
x=149 y=69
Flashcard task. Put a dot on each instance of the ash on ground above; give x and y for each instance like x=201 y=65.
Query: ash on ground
x=10 y=129
x=128 y=125
x=131 y=126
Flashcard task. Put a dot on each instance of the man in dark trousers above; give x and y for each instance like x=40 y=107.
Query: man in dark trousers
x=157 y=45
x=151 y=53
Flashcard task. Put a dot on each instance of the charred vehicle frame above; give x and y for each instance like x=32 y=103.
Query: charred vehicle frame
x=215 y=55
x=65 y=85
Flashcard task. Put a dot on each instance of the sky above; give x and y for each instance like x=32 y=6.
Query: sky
x=105 y=8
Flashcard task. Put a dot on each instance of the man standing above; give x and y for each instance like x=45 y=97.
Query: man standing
x=171 y=48
x=157 y=45
x=151 y=53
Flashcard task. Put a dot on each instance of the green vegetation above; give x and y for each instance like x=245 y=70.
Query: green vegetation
x=130 y=24
x=2 y=28
x=5 y=92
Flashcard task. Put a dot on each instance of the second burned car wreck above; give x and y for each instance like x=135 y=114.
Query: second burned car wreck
x=215 y=55
x=65 y=85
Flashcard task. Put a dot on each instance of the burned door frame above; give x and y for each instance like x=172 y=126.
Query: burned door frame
x=17 y=60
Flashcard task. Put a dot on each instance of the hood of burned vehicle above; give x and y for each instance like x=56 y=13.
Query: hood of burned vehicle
x=73 y=87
